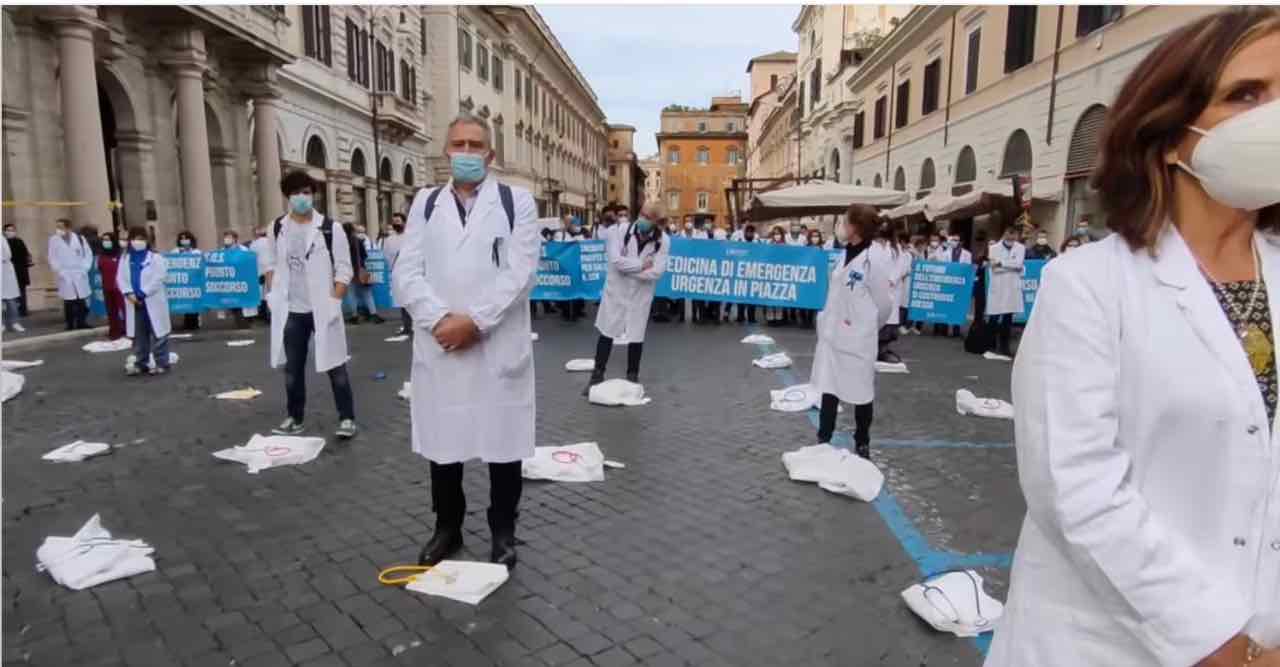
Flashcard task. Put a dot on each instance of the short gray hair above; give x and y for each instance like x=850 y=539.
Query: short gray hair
x=465 y=118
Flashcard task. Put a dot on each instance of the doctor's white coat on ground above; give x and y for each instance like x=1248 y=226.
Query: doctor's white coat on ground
x=859 y=298
x=154 y=295
x=331 y=333
x=629 y=287
x=477 y=402
x=1005 y=295
x=1150 y=468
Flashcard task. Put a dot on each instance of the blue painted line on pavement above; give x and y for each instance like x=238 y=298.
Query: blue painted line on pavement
x=940 y=444
x=929 y=561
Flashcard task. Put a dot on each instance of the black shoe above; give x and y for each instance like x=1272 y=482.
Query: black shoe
x=443 y=544
x=863 y=450
x=377 y=319
x=353 y=320
x=504 y=540
x=633 y=377
x=595 y=380
x=889 y=357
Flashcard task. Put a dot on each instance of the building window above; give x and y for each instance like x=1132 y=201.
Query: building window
x=1092 y=17
x=499 y=142
x=529 y=92
x=733 y=156
x=704 y=156
x=356 y=48
x=815 y=84
x=613 y=170
x=422 y=36
x=702 y=127
x=673 y=200
x=408 y=82
x=859 y=129
x=408 y=174
x=673 y=156
x=703 y=200
x=800 y=99
x=464 y=48
x=881 y=107
x=773 y=81
x=903 y=110
x=1020 y=40
x=482 y=62
x=497 y=73
x=385 y=68
x=315 y=33
x=971 y=62
x=614 y=143
x=932 y=87
x=731 y=127
x=516 y=78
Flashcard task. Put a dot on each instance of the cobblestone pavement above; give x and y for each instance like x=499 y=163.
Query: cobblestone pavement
x=700 y=552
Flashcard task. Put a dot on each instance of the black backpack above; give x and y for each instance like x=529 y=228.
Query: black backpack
x=326 y=230
x=504 y=193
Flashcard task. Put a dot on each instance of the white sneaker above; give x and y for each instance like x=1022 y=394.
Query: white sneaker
x=902 y=331
x=17 y=328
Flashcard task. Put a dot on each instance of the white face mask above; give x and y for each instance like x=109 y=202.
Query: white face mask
x=1235 y=161
x=138 y=244
x=11 y=235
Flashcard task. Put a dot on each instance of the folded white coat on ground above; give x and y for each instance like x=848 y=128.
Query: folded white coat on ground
x=270 y=451
x=239 y=394
x=968 y=404
x=14 y=364
x=406 y=392
x=77 y=451
x=91 y=557
x=397 y=339
x=955 y=602
x=617 y=392
x=580 y=365
x=995 y=357
x=776 y=360
x=886 y=367
x=835 y=470
x=10 y=385
x=758 y=339
x=797 y=398
x=583 y=462
x=117 y=345
x=459 y=580
x=240 y=343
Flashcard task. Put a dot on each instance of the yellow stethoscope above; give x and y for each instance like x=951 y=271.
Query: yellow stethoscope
x=407 y=574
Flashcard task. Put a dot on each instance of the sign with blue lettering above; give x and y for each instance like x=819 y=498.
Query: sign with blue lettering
x=1031 y=270
x=184 y=282
x=571 y=271
x=940 y=292
x=754 y=273
x=97 y=300
x=376 y=265
x=231 y=280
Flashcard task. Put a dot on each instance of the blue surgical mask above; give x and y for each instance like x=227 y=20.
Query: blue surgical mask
x=644 y=226
x=107 y=244
x=300 y=204
x=467 y=167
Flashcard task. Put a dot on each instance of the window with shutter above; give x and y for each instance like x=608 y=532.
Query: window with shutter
x=422 y=35
x=464 y=48
x=1020 y=40
x=1082 y=155
x=1093 y=17
x=932 y=87
x=497 y=73
x=971 y=62
x=900 y=180
x=881 y=111
x=927 y=177
x=859 y=129
x=353 y=50
x=902 y=110
x=482 y=62
x=966 y=171
x=1017 y=155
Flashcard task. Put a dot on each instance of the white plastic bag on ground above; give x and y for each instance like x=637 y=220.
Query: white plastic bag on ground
x=968 y=404
x=886 y=367
x=77 y=451
x=582 y=462
x=239 y=394
x=617 y=392
x=14 y=364
x=270 y=451
x=775 y=360
x=406 y=392
x=955 y=602
x=11 y=385
x=580 y=365
x=117 y=345
x=995 y=357
x=835 y=470
x=91 y=557
x=397 y=339
x=240 y=343
x=798 y=398
x=459 y=580
x=758 y=339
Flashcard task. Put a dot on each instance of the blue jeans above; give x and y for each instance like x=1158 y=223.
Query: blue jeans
x=146 y=343
x=364 y=299
x=298 y=330
x=10 y=312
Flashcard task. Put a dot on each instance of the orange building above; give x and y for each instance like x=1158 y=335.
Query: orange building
x=702 y=151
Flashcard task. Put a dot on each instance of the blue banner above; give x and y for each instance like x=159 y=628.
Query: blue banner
x=184 y=283
x=97 y=300
x=376 y=265
x=940 y=292
x=754 y=273
x=231 y=280
x=571 y=271
x=595 y=266
x=1031 y=269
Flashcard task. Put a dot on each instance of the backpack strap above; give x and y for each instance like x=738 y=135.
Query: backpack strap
x=431 y=204
x=508 y=205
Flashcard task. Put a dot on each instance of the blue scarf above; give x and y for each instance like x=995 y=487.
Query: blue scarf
x=136 y=258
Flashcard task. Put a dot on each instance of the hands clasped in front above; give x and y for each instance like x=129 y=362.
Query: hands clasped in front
x=456 y=332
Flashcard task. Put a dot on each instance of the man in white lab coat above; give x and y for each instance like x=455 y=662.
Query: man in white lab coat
x=261 y=247
x=391 y=250
x=1004 y=297
x=637 y=259
x=70 y=259
x=310 y=271
x=571 y=232
x=465 y=272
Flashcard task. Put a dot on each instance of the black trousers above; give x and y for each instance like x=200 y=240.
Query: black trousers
x=76 y=313
x=862 y=415
x=22 y=300
x=1003 y=325
x=406 y=320
x=604 y=348
x=297 y=337
x=677 y=308
x=450 y=503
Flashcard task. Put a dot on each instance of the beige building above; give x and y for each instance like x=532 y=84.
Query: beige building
x=702 y=152
x=626 y=178
x=771 y=75
x=963 y=96
x=652 y=167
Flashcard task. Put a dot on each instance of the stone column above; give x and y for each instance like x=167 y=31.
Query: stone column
x=86 y=157
x=266 y=150
x=188 y=64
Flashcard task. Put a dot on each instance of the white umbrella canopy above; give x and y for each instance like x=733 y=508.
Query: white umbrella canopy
x=820 y=199
x=975 y=202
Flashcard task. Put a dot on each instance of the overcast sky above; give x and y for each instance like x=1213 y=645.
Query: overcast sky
x=639 y=59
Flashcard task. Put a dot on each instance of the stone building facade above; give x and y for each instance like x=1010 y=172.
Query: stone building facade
x=702 y=151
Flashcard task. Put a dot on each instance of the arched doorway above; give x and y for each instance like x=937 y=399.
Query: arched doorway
x=359 y=190
x=123 y=146
x=928 y=179
x=966 y=171
x=835 y=165
x=316 y=157
x=900 y=180
x=879 y=181
x=221 y=169
x=1017 y=155
x=408 y=174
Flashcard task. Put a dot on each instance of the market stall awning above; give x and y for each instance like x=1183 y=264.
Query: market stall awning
x=915 y=206
x=978 y=201
x=820 y=199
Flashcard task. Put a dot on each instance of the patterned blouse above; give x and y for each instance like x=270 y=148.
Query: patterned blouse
x=1234 y=298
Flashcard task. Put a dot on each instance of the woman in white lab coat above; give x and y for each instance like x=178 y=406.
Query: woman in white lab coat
x=140 y=279
x=70 y=259
x=1004 y=297
x=637 y=259
x=859 y=298
x=10 y=291
x=1145 y=387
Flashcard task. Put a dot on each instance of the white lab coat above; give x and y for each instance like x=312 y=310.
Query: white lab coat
x=1151 y=474
x=391 y=249
x=70 y=261
x=628 y=287
x=719 y=235
x=844 y=359
x=939 y=254
x=261 y=247
x=801 y=240
x=322 y=274
x=1004 y=294
x=155 y=296
x=477 y=402
x=891 y=260
x=700 y=234
x=906 y=261
x=9 y=289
